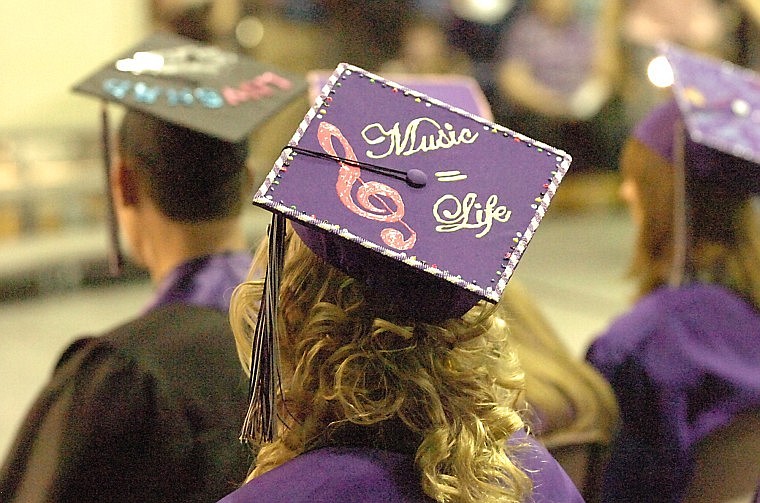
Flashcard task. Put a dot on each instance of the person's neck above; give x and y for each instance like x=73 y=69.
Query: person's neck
x=173 y=243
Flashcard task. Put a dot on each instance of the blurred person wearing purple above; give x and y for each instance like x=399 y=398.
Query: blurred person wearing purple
x=558 y=74
x=685 y=361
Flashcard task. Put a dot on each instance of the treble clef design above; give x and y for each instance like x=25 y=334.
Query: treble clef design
x=372 y=196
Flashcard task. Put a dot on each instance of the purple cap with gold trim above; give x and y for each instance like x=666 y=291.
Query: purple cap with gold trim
x=430 y=205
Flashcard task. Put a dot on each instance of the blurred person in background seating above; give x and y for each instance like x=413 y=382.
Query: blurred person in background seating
x=559 y=75
x=685 y=360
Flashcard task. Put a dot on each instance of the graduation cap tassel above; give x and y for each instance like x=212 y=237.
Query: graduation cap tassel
x=115 y=257
x=260 y=421
x=680 y=208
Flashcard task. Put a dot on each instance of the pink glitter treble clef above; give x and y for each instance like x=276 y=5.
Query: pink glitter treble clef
x=367 y=192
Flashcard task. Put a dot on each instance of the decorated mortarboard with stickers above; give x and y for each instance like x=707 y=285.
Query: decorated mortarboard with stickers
x=218 y=93
x=198 y=86
x=708 y=132
x=719 y=103
x=379 y=170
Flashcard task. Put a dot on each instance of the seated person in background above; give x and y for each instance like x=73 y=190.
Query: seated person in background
x=150 y=411
x=558 y=74
x=425 y=50
x=685 y=361
x=571 y=407
x=375 y=376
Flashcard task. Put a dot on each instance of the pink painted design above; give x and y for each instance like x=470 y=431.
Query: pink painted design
x=372 y=196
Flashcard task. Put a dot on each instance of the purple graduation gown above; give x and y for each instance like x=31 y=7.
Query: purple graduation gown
x=365 y=475
x=206 y=281
x=683 y=362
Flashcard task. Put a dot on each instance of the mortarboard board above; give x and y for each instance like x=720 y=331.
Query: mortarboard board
x=429 y=205
x=460 y=91
x=718 y=104
x=190 y=84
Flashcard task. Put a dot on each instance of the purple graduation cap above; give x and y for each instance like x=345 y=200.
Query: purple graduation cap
x=461 y=91
x=709 y=131
x=430 y=206
x=715 y=115
x=221 y=94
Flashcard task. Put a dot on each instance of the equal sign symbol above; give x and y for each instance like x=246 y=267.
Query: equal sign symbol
x=450 y=176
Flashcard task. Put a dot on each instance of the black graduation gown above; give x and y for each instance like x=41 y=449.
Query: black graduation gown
x=146 y=413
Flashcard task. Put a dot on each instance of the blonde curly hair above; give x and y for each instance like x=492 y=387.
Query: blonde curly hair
x=453 y=386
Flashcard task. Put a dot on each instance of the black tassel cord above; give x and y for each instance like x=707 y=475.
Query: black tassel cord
x=260 y=422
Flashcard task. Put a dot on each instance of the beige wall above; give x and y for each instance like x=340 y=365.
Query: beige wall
x=47 y=46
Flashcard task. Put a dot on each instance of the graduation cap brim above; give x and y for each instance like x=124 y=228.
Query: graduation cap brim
x=460 y=91
x=201 y=87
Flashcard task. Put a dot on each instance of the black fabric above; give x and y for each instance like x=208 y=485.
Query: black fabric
x=146 y=413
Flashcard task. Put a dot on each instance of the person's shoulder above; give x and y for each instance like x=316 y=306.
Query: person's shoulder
x=179 y=318
x=637 y=327
x=671 y=317
x=188 y=339
x=173 y=330
x=550 y=482
x=337 y=474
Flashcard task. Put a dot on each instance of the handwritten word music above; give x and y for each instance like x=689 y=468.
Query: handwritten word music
x=421 y=135
x=455 y=215
x=262 y=86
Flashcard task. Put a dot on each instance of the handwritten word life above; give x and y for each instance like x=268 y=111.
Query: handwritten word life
x=257 y=88
x=455 y=215
x=421 y=135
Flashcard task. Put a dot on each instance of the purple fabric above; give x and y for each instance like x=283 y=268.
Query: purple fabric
x=204 y=281
x=456 y=90
x=400 y=293
x=344 y=475
x=659 y=131
x=682 y=363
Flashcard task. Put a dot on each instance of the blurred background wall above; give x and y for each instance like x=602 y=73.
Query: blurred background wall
x=45 y=47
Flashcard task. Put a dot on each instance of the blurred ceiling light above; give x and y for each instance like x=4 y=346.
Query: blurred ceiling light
x=482 y=11
x=249 y=32
x=660 y=72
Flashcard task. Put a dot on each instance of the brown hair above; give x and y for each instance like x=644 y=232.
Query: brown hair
x=190 y=176
x=723 y=243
